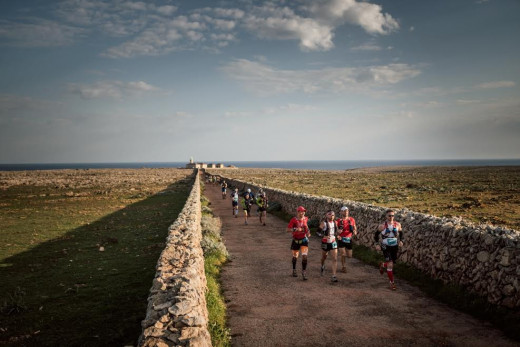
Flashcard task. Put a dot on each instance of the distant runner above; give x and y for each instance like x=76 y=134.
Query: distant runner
x=261 y=202
x=224 y=189
x=329 y=231
x=347 y=231
x=300 y=242
x=260 y=192
x=391 y=239
x=247 y=201
x=234 y=202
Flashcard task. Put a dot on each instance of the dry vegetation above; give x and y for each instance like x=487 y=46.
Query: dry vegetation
x=480 y=194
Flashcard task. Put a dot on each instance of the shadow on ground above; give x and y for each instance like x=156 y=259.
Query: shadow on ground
x=90 y=286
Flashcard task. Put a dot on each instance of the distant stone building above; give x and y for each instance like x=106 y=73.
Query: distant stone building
x=194 y=165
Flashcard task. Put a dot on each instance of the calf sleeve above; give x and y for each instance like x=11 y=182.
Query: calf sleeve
x=390 y=274
x=294 y=263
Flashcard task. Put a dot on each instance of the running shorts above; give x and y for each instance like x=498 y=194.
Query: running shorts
x=390 y=253
x=329 y=246
x=347 y=245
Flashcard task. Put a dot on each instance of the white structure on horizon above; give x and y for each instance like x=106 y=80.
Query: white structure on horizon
x=194 y=165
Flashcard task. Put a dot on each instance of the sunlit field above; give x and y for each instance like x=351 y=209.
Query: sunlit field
x=480 y=194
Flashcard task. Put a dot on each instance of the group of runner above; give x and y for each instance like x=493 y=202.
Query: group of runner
x=336 y=234
x=247 y=200
x=339 y=234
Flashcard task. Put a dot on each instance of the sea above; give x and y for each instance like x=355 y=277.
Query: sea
x=299 y=164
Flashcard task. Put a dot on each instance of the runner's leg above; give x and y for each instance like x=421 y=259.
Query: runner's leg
x=334 y=255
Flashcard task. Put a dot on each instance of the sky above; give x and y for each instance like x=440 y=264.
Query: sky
x=163 y=81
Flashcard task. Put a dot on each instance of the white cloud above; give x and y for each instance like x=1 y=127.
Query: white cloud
x=111 y=89
x=367 y=47
x=283 y=24
x=166 y=10
x=266 y=80
x=36 y=32
x=369 y=16
x=150 y=28
x=137 y=6
x=495 y=85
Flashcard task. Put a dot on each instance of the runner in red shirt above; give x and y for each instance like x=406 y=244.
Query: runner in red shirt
x=347 y=231
x=300 y=240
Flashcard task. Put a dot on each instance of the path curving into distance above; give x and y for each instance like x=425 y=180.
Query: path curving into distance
x=269 y=307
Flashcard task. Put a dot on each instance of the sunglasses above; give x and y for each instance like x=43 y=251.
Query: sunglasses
x=390 y=215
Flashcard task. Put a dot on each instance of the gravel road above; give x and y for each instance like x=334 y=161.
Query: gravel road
x=269 y=307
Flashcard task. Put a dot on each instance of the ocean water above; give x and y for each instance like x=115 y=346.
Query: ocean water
x=306 y=164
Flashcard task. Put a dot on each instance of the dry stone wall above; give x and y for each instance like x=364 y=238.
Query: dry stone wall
x=483 y=259
x=177 y=313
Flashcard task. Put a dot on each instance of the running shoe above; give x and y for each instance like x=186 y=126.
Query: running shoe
x=381 y=268
x=294 y=274
x=304 y=275
x=334 y=279
x=322 y=269
x=392 y=286
x=344 y=269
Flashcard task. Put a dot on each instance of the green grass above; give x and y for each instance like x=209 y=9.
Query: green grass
x=58 y=287
x=215 y=256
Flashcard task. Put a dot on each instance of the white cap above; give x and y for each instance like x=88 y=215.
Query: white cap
x=344 y=208
x=249 y=190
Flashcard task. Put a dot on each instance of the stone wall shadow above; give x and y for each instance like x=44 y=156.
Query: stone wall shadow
x=90 y=286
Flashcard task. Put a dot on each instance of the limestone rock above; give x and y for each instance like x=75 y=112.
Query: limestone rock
x=483 y=256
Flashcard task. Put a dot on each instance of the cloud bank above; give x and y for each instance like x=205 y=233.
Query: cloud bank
x=263 y=79
x=155 y=28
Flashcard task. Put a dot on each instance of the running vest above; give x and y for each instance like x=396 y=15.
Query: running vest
x=389 y=235
x=246 y=203
x=261 y=202
x=348 y=227
x=329 y=234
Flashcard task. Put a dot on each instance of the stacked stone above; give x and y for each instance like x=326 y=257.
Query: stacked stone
x=482 y=258
x=177 y=314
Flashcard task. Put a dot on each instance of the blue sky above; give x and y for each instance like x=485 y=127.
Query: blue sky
x=130 y=81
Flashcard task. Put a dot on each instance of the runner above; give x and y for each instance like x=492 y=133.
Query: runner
x=261 y=202
x=234 y=202
x=260 y=193
x=390 y=232
x=224 y=189
x=329 y=231
x=246 y=205
x=347 y=230
x=300 y=242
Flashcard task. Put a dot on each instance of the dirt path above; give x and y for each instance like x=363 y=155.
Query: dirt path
x=269 y=307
